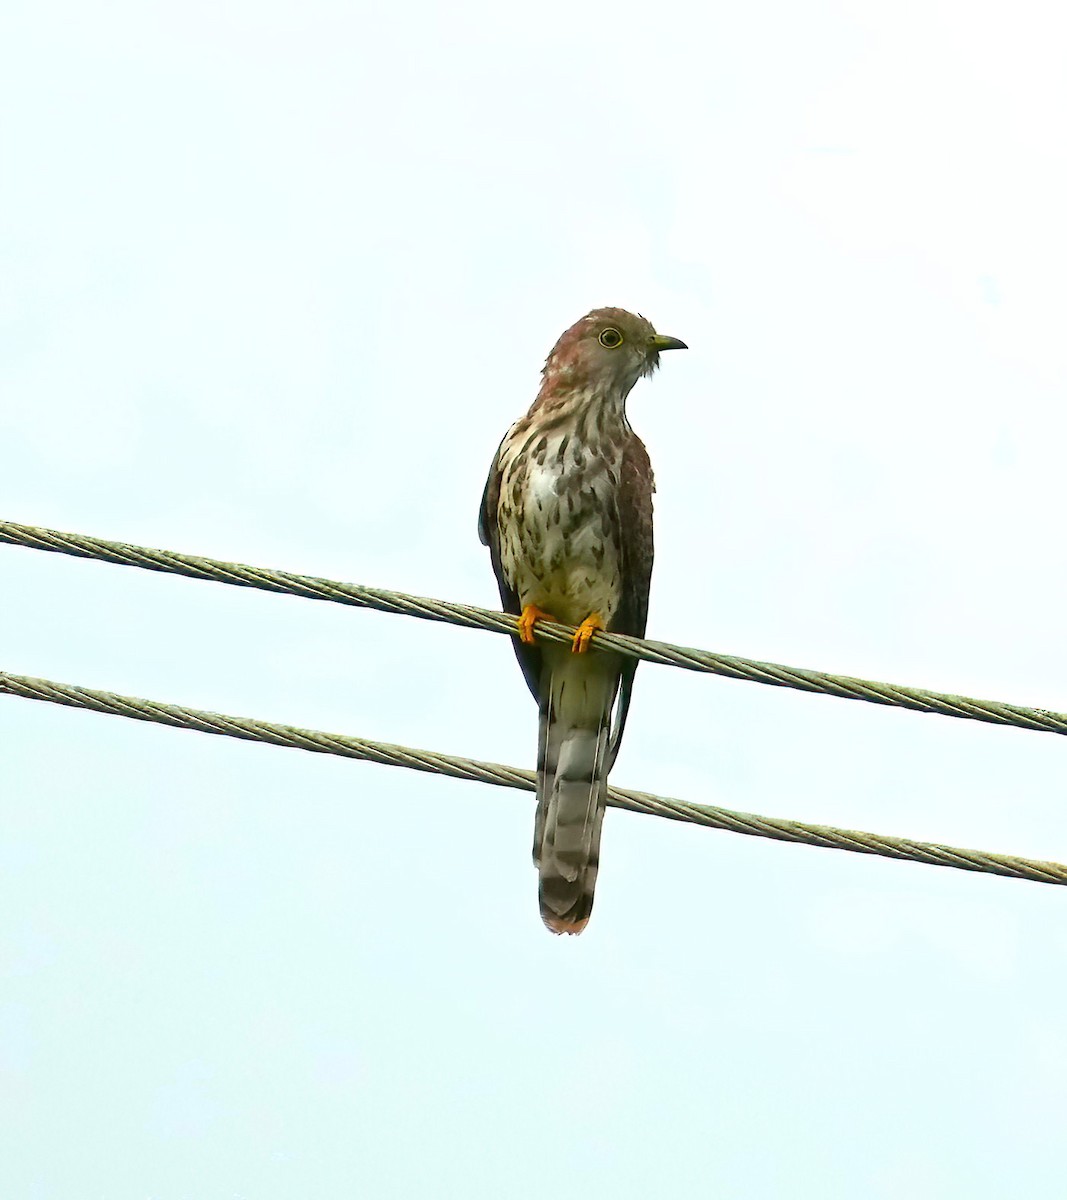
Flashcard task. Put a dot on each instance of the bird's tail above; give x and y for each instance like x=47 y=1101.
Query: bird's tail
x=577 y=695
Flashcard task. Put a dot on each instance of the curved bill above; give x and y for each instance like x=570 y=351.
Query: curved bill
x=660 y=341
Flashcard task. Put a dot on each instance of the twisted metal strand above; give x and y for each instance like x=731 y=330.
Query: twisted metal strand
x=504 y=776
x=845 y=686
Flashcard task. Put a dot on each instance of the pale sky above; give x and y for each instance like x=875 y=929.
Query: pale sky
x=274 y=280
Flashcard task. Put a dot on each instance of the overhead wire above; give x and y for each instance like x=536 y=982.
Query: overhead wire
x=709 y=816
x=194 y=566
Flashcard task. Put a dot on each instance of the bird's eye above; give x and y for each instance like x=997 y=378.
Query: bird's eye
x=611 y=338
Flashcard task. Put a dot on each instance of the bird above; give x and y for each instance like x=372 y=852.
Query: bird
x=567 y=516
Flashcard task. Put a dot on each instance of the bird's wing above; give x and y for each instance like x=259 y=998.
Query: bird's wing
x=489 y=532
x=634 y=500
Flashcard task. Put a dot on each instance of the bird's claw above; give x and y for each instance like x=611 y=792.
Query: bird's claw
x=585 y=633
x=531 y=614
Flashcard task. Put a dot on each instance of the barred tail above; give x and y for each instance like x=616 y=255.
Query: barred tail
x=572 y=768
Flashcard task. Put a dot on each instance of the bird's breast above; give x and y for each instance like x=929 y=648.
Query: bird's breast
x=558 y=519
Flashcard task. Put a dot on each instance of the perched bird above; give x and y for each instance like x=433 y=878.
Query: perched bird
x=567 y=517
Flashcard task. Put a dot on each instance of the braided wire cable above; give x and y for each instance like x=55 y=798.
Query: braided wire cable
x=707 y=815
x=845 y=686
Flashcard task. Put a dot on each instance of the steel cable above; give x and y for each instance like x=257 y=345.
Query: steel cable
x=846 y=686
x=710 y=816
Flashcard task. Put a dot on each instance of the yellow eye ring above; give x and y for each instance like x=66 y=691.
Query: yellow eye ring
x=611 y=338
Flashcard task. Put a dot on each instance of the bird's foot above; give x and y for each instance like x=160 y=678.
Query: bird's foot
x=531 y=614
x=585 y=633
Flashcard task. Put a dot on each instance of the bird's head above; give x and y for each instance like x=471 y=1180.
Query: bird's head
x=607 y=351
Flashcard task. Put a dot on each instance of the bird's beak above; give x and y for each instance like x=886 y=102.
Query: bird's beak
x=660 y=341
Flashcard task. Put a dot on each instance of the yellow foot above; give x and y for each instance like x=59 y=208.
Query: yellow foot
x=531 y=614
x=585 y=633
